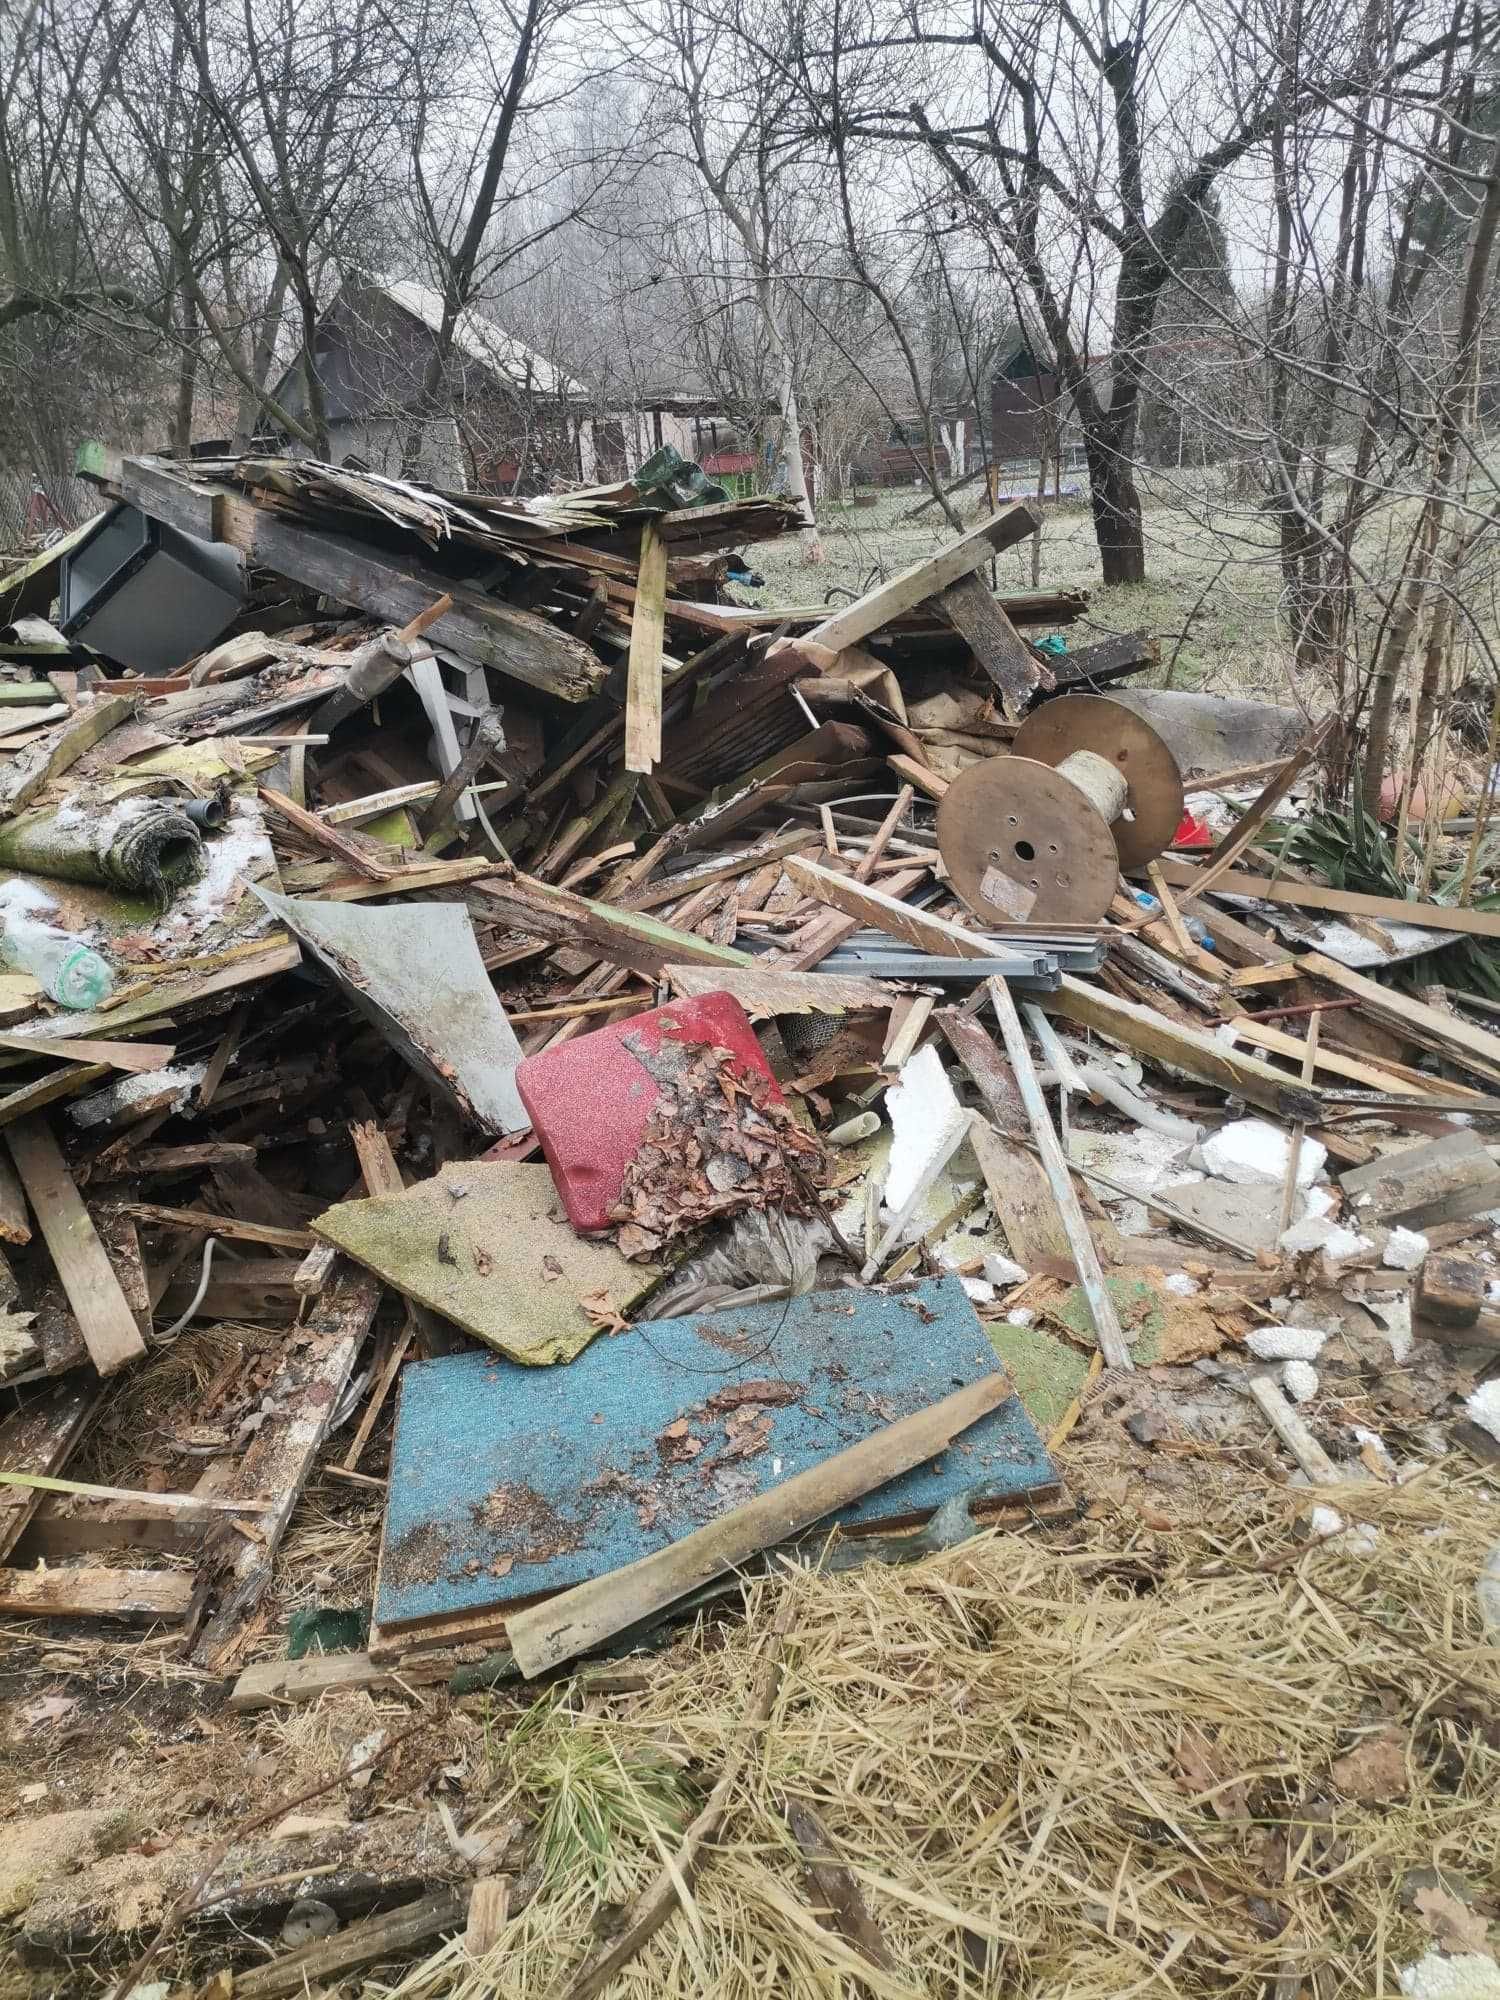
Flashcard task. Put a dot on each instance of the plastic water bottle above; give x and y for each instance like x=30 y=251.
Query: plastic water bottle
x=69 y=972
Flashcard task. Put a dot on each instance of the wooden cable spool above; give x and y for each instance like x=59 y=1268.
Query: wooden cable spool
x=1040 y=836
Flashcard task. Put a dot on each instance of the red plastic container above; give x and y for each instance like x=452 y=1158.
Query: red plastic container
x=590 y=1099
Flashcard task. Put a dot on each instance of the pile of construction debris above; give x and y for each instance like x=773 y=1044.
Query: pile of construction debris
x=621 y=1086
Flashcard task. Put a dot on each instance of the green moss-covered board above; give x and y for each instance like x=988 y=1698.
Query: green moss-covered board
x=486 y=1244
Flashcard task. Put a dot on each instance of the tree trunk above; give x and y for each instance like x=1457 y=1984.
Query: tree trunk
x=1116 y=504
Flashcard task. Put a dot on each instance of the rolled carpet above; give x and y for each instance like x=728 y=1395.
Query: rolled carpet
x=145 y=847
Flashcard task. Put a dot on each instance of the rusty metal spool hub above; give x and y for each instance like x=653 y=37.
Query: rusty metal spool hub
x=1040 y=836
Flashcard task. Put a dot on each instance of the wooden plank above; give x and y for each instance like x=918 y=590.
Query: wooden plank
x=836 y=1893
x=15 y=1224
x=1451 y=1290
x=393 y=1934
x=134 y=1058
x=138 y=1596
x=220 y=1225
x=624 y=937
x=37 y=1438
x=830 y=931
x=52 y=1088
x=853 y=622
x=1471 y=1047
x=94 y=1292
x=671 y=887
x=281 y=1455
x=56 y=752
x=1150 y=1034
x=1107 y=1329
x=647 y=633
x=1443 y=1181
x=971 y=609
x=1337 y=902
x=181 y=1506
x=578 y=1620
x=348 y=847
x=291 y=1683
x=1261 y=1035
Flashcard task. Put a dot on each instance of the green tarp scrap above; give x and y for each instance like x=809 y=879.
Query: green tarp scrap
x=137 y=846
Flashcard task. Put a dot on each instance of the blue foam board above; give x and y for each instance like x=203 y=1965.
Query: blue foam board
x=510 y=1483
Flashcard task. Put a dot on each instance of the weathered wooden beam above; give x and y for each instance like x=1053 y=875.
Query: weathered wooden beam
x=1152 y=1035
x=282 y=1454
x=94 y=1292
x=138 y=1596
x=647 y=632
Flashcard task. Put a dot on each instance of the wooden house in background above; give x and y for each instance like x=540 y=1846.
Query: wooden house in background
x=508 y=417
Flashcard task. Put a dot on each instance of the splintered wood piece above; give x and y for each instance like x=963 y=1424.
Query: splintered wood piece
x=1250 y=821
x=290 y=1683
x=489 y=1913
x=138 y=1596
x=1443 y=1181
x=976 y=615
x=15 y=1225
x=585 y=1617
x=88 y=1278
x=1149 y=1033
x=186 y=1506
x=36 y=1439
x=647 y=629
x=1451 y=1290
x=284 y=1450
x=321 y=834
x=392 y=1934
x=1107 y=1329
x=220 y=1225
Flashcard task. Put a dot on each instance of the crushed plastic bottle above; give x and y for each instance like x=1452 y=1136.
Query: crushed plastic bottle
x=67 y=970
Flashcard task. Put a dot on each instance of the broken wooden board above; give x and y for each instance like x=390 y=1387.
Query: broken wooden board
x=319 y=1357
x=24 y=775
x=38 y=1438
x=766 y=990
x=647 y=626
x=94 y=1292
x=1337 y=902
x=486 y=1244
x=504 y=1487
x=1421 y=1186
x=136 y=1596
x=886 y=913
x=295 y=1683
x=1449 y=1035
x=971 y=608
x=1150 y=1034
x=415 y=971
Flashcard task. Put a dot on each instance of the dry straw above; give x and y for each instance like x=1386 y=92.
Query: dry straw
x=1069 y=1771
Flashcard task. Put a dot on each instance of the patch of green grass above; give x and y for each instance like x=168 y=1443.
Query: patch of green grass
x=595 y=1801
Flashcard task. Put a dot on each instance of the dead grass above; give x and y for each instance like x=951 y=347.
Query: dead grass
x=1091 y=1772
